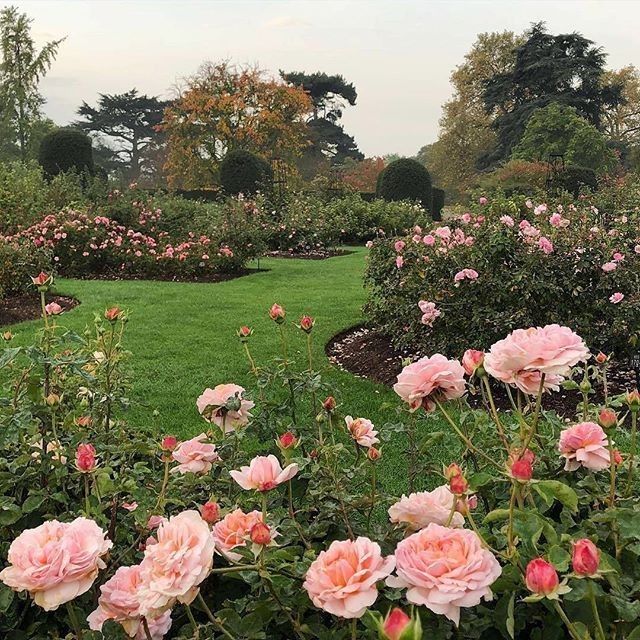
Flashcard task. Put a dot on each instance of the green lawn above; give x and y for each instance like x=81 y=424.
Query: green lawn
x=182 y=336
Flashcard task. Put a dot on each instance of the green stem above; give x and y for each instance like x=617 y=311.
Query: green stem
x=235 y=568
x=536 y=415
x=254 y=369
x=213 y=619
x=612 y=470
x=87 y=504
x=413 y=453
x=74 y=621
x=596 y=615
x=632 y=449
x=354 y=629
x=563 y=616
x=373 y=496
x=292 y=515
x=165 y=482
x=192 y=620
x=494 y=413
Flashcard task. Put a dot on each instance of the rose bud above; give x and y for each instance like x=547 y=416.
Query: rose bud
x=601 y=358
x=607 y=418
x=277 y=313
x=43 y=281
x=458 y=485
x=83 y=421
x=397 y=625
x=306 y=323
x=374 y=454
x=329 y=404
x=585 y=558
x=260 y=534
x=313 y=454
x=633 y=400
x=617 y=457
x=7 y=335
x=541 y=577
x=169 y=443
x=52 y=400
x=112 y=314
x=244 y=333
x=452 y=470
x=210 y=512
x=521 y=470
x=85 y=458
x=472 y=362
x=287 y=440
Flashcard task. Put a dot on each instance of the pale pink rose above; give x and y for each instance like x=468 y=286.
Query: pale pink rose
x=471 y=360
x=468 y=274
x=417 y=238
x=368 y=244
x=53 y=309
x=264 y=473
x=507 y=221
x=483 y=200
x=616 y=298
x=608 y=267
x=585 y=444
x=435 y=377
x=399 y=262
x=429 y=312
x=524 y=355
x=120 y=601
x=233 y=531
x=541 y=208
x=194 y=456
x=130 y=506
x=637 y=248
x=545 y=245
x=444 y=233
x=418 y=510
x=225 y=406
x=56 y=562
x=155 y=521
x=445 y=569
x=362 y=431
x=529 y=204
x=429 y=240
x=466 y=218
x=342 y=580
x=618 y=257
x=173 y=568
x=399 y=245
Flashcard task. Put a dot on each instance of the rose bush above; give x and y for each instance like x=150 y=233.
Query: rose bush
x=276 y=524
x=543 y=264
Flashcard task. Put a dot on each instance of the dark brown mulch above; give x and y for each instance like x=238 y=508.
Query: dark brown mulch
x=214 y=277
x=27 y=307
x=369 y=354
x=309 y=255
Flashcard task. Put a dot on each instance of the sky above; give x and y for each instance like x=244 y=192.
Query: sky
x=398 y=53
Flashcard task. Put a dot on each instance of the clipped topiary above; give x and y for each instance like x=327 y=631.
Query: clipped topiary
x=438 y=203
x=406 y=179
x=576 y=179
x=244 y=172
x=65 y=150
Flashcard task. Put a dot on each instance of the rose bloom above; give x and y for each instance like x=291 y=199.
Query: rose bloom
x=362 y=431
x=430 y=377
x=471 y=360
x=616 y=298
x=507 y=220
x=541 y=577
x=445 y=569
x=399 y=245
x=214 y=403
x=53 y=309
x=585 y=444
x=57 y=561
x=264 y=473
x=418 y=510
x=85 y=458
x=607 y=267
x=194 y=456
x=524 y=355
x=399 y=262
x=429 y=312
x=234 y=531
x=173 y=568
x=585 y=558
x=342 y=580
x=120 y=601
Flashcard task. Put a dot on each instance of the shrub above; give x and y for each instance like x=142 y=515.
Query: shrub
x=577 y=180
x=554 y=265
x=515 y=174
x=120 y=527
x=438 y=203
x=406 y=179
x=65 y=150
x=17 y=264
x=244 y=172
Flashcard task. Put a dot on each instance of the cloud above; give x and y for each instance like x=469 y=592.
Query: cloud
x=285 y=22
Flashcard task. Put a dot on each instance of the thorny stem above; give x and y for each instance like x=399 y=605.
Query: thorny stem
x=536 y=415
x=192 y=620
x=87 y=504
x=563 y=616
x=165 y=482
x=494 y=413
x=373 y=495
x=292 y=515
x=74 y=621
x=411 y=436
x=215 y=621
x=354 y=629
x=612 y=470
x=596 y=615
x=632 y=449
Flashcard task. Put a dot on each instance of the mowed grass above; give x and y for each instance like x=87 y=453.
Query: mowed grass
x=182 y=337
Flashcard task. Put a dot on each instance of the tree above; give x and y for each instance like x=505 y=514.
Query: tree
x=21 y=70
x=225 y=107
x=130 y=122
x=362 y=175
x=465 y=127
x=329 y=96
x=559 y=129
x=566 y=69
x=621 y=122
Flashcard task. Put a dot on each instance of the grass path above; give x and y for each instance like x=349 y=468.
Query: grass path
x=182 y=336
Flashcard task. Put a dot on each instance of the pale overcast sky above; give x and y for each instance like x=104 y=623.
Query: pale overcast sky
x=398 y=53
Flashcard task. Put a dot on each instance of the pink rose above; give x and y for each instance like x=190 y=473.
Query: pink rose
x=399 y=245
x=445 y=569
x=234 y=531
x=545 y=245
x=617 y=297
x=264 y=473
x=225 y=406
x=342 y=580
x=541 y=577
x=399 y=262
x=173 y=568
x=429 y=312
x=608 y=267
x=85 y=458
x=418 y=510
x=362 y=431
x=471 y=360
x=585 y=557
x=507 y=221
x=483 y=200
x=120 y=601
x=585 y=444
x=429 y=240
x=56 y=562
x=53 y=309
x=435 y=377
x=194 y=456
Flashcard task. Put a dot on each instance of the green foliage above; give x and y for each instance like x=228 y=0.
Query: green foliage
x=438 y=203
x=65 y=150
x=558 y=129
x=406 y=179
x=515 y=175
x=244 y=172
x=576 y=180
x=17 y=264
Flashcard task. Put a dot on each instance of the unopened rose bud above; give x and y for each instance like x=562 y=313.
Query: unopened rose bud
x=472 y=362
x=541 y=577
x=277 y=313
x=43 y=281
x=452 y=470
x=52 y=400
x=633 y=400
x=260 y=534
x=329 y=404
x=306 y=323
x=169 y=443
x=374 y=454
x=210 y=512
x=521 y=470
x=112 y=314
x=585 y=386
x=617 y=457
x=601 y=358
x=585 y=558
x=458 y=485
x=287 y=440
x=397 y=625
x=244 y=333
x=607 y=418
x=85 y=458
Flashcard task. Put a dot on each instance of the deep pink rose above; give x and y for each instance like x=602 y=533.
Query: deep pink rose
x=194 y=456
x=585 y=558
x=585 y=444
x=342 y=580
x=541 y=577
x=418 y=510
x=225 y=406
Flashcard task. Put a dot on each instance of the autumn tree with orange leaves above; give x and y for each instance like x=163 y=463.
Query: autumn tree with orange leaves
x=224 y=107
x=362 y=175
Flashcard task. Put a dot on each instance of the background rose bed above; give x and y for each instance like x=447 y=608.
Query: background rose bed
x=265 y=546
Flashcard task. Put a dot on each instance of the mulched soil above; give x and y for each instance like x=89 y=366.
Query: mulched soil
x=370 y=354
x=309 y=255
x=27 y=307
x=214 y=277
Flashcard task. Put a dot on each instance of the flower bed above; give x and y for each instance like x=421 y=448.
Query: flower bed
x=501 y=267
x=530 y=532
